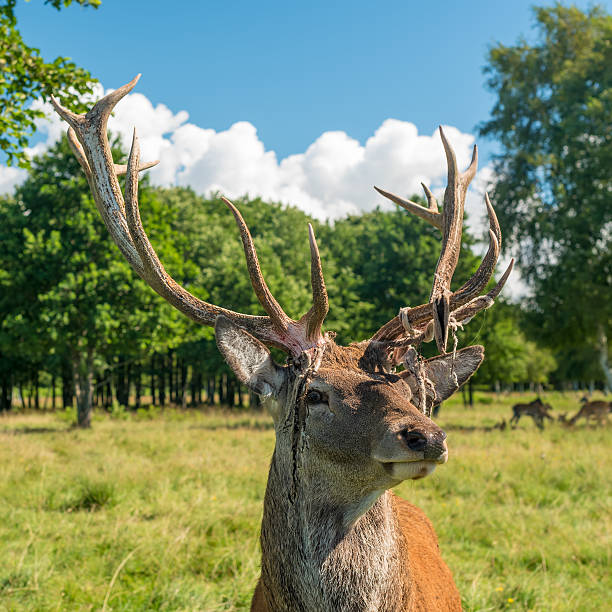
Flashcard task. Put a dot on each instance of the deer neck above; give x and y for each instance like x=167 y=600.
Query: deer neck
x=323 y=553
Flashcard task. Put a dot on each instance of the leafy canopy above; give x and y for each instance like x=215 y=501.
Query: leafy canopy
x=25 y=76
x=65 y=289
x=553 y=117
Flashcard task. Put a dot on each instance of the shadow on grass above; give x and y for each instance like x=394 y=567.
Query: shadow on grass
x=474 y=428
x=34 y=430
x=240 y=425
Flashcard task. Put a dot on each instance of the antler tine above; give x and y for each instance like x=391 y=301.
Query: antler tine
x=154 y=272
x=320 y=304
x=442 y=302
x=427 y=214
x=452 y=226
x=101 y=110
x=105 y=105
x=482 y=276
x=466 y=312
x=264 y=295
x=431 y=199
x=77 y=149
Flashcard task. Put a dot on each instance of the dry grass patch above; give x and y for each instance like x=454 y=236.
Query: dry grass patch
x=163 y=513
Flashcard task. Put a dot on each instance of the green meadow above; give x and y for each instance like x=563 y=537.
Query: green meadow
x=160 y=510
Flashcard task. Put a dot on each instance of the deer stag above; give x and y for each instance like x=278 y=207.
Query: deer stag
x=348 y=426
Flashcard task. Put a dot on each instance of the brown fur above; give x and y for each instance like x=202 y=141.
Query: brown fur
x=426 y=585
x=332 y=537
x=536 y=409
x=434 y=588
x=598 y=410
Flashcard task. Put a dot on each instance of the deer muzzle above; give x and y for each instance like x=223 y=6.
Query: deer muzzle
x=412 y=452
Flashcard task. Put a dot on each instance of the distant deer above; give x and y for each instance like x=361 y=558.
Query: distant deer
x=348 y=425
x=536 y=409
x=597 y=410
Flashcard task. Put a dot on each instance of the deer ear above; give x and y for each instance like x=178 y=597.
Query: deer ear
x=249 y=358
x=447 y=373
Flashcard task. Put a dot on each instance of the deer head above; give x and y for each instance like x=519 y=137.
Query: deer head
x=354 y=419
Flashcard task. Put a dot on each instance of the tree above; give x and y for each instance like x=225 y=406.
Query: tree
x=553 y=118
x=65 y=289
x=510 y=356
x=25 y=77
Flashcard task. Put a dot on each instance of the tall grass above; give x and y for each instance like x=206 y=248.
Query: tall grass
x=163 y=513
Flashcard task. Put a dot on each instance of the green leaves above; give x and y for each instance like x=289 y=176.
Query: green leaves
x=66 y=289
x=25 y=77
x=553 y=116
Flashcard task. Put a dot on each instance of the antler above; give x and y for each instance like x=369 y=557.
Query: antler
x=443 y=304
x=88 y=140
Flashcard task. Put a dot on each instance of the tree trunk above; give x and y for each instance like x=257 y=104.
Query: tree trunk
x=471 y=392
x=603 y=357
x=193 y=390
x=182 y=370
x=109 y=390
x=210 y=390
x=36 y=390
x=464 y=396
x=170 y=377
x=123 y=383
x=83 y=384
x=117 y=376
x=6 y=395
x=229 y=391
x=153 y=379
x=137 y=373
x=162 y=383
x=100 y=391
x=21 y=400
x=221 y=388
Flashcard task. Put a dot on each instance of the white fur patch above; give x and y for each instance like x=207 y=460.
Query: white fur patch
x=411 y=470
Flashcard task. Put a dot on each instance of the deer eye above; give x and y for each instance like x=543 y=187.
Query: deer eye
x=315 y=397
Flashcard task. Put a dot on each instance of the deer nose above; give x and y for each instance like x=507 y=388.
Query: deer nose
x=431 y=444
x=415 y=440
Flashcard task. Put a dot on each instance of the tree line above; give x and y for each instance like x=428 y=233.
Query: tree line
x=77 y=324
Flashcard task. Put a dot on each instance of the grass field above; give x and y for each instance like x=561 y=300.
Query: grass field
x=161 y=511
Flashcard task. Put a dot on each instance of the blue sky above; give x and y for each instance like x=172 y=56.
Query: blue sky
x=309 y=104
x=294 y=70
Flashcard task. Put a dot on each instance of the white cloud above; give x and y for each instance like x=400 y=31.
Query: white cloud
x=333 y=177
x=10 y=177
